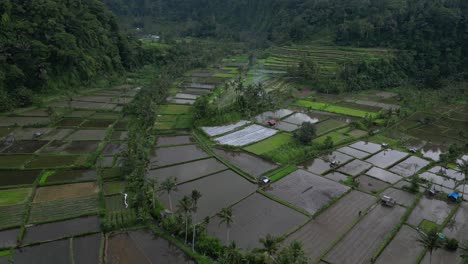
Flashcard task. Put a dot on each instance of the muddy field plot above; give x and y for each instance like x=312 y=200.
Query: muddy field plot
x=57 y=134
x=403 y=248
x=386 y=158
x=288 y=127
x=360 y=243
x=354 y=152
x=383 y=175
x=409 y=166
x=368 y=147
x=318 y=234
x=25 y=146
x=69 y=122
x=98 y=123
x=248 y=135
x=179 y=154
x=306 y=190
x=218 y=190
x=8 y=238
x=371 y=184
x=91 y=134
x=173 y=140
x=66 y=191
x=355 y=167
x=219 y=130
x=402 y=197
x=72 y=176
x=57 y=230
x=338 y=157
x=86 y=249
x=56 y=161
x=114 y=148
x=13 y=161
x=336 y=176
x=143 y=247
x=436 y=179
x=63 y=209
x=47 y=253
x=432 y=210
x=23 y=121
x=18 y=177
x=187 y=171
x=254 y=218
x=248 y=163
x=442 y=256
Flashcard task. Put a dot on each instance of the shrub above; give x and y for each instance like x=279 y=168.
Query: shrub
x=306 y=133
x=209 y=246
x=24 y=97
x=451 y=244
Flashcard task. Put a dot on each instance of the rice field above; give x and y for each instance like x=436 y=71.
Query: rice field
x=246 y=136
x=333 y=108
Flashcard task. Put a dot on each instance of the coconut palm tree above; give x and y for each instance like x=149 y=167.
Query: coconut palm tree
x=185 y=204
x=430 y=241
x=232 y=255
x=196 y=195
x=169 y=185
x=463 y=170
x=225 y=216
x=270 y=246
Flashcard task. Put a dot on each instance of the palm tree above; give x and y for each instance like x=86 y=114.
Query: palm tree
x=464 y=252
x=169 y=185
x=185 y=204
x=196 y=195
x=225 y=215
x=463 y=167
x=270 y=246
x=153 y=184
x=232 y=255
x=430 y=241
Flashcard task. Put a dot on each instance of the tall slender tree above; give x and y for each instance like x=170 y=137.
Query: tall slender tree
x=185 y=204
x=430 y=241
x=226 y=217
x=270 y=246
x=169 y=185
x=463 y=170
x=196 y=195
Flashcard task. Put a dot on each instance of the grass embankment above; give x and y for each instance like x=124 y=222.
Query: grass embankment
x=334 y=108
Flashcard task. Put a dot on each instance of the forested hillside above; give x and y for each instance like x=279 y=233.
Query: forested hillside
x=432 y=34
x=57 y=44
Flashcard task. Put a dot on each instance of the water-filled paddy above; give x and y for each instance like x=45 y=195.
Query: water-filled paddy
x=386 y=158
x=86 y=249
x=218 y=130
x=403 y=248
x=402 y=197
x=218 y=190
x=371 y=184
x=306 y=190
x=354 y=152
x=23 y=121
x=255 y=217
x=248 y=163
x=178 y=154
x=114 y=148
x=299 y=118
x=47 y=253
x=429 y=209
x=81 y=147
x=188 y=171
x=366 y=147
x=70 y=122
x=409 y=166
x=143 y=247
x=173 y=140
x=57 y=230
x=97 y=123
x=8 y=237
x=355 y=167
x=383 y=175
x=317 y=166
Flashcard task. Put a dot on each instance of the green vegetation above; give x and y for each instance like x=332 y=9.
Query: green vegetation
x=333 y=108
x=114 y=187
x=63 y=209
x=329 y=125
x=14 y=196
x=173 y=109
x=11 y=216
x=426 y=226
x=270 y=144
x=305 y=133
x=278 y=174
